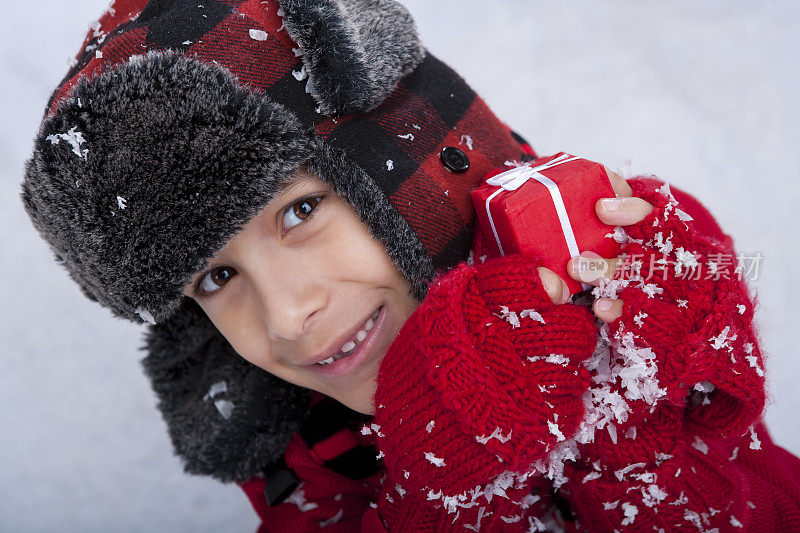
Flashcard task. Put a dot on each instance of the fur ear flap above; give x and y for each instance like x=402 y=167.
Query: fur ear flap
x=226 y=418
x=354 y=51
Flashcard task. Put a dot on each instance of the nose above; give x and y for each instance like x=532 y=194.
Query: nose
x=291 y=300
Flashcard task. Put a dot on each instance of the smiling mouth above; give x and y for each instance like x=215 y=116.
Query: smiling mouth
x=352 y=345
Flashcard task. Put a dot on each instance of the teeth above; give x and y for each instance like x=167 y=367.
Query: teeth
x=348 y=347
x=351 y=345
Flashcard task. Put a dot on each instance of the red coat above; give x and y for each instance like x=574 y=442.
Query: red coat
x=694 y=460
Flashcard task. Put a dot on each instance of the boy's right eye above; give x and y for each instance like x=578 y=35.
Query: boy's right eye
x=212 y=280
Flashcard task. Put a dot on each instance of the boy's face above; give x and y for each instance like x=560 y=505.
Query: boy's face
x=305 y=281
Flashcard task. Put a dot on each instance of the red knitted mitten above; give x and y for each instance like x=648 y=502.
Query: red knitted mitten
x=692 y=308
x=683 y=374
x=484 y=379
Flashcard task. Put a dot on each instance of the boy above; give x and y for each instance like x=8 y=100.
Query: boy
x=301 y=170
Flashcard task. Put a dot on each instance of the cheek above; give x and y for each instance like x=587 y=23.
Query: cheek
x=349 y=251
x=241 y=326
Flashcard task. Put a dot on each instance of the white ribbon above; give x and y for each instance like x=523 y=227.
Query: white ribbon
x=513 y=179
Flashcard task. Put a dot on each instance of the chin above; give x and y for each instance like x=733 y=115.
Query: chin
x=363 y=403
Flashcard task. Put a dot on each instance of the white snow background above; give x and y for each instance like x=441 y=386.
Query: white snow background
x=702 y=93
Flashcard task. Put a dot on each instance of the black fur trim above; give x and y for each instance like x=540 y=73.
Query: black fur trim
x=188 y=363
x=160 y=130
x=354 y=51
x=384 y=221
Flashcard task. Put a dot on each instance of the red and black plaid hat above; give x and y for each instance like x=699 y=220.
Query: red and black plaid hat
x=179 y=121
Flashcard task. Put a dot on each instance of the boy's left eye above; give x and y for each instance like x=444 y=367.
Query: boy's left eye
x=299 y=211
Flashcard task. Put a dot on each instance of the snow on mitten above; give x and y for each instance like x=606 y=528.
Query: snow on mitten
x=483 y=379
x=684 y=300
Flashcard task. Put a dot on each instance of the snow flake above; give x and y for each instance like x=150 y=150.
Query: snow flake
x=735 y=523
x=755 y=444
x=664 y=246
x=591 y=475
x=416 y=126
x=532 y=314
x=753 y=360
x=146 y=315
x=389 y=164
x=437 y=461
x=301 y=74
x=220 y=387
x=554 y=429
x=224 y=407
x=511 y=519
x=98 y=54
x=553 y=358
x=661 y=457
x=734 y=453
x=121 y=202
x=380 y=455
x=683 y=215
x=683 y=303
x=407 y=136
x=722 y=340
x=693 y=518
x=258 y=35
x=700 y=446
x=337 y=498
x=630 y=433
x=684 y=258
x=430 y=425
x=639 y=318
x=653 y=496
x=748 y=347
x=510 y=316
x=622 y=471
x=406 y=474
x=651 y=289
x=704 y=386
x=742 y=308
x=298 y=497
x=466 y=139
x=750 y=504
x=400 y=490
x=496 y=434
x=186 y=42
x=630 y=511
x=608 y=506
x=74 y=138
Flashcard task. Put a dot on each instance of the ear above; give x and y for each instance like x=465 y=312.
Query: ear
x=354 y=51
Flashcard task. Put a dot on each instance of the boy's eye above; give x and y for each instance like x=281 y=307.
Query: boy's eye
x=299 y=211
x=214 y=279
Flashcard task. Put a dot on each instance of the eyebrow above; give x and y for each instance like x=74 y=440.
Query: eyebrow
x=292 y=182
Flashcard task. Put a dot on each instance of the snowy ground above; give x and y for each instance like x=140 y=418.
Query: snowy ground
x=700 y=93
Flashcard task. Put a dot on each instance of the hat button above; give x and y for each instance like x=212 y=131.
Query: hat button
x=454 y=159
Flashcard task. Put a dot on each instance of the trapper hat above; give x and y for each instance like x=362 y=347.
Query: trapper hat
x=178 y=123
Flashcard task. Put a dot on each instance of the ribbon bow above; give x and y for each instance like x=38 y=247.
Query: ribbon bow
x=513 y=179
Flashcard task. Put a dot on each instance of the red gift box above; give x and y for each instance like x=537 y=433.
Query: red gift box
x=546 y=208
